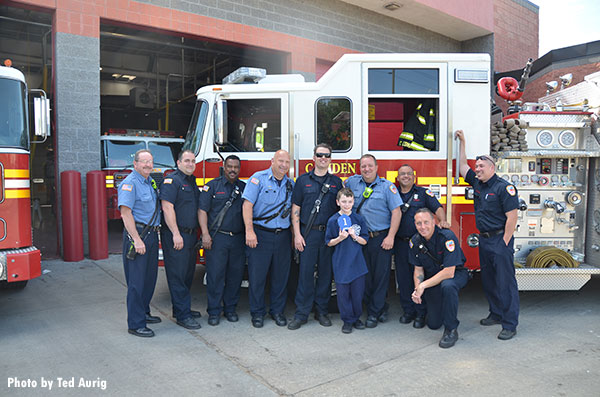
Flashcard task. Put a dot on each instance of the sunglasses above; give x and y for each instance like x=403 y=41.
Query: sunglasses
x=485 y=157
x=326 y=155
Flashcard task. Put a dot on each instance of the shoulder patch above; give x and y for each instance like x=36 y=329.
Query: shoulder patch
x=206 y=188
x=127 y=187
x=393 y=189
x=168 y=181
x=429 y=193
x=255 y=181
x=511 y=190
x=450 y=245
x=410 y=243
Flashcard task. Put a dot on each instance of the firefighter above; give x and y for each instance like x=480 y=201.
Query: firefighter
x=139 y=206
x=179 y=200
x=413 y=198
x=419 y=130
x=439 y=274
x=378 y=202
x=313 y=203
x=223 y=241
x=266 y=212
x=496 y=202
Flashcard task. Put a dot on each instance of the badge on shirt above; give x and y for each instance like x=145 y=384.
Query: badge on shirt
x=393 y=189
x=450 y=245
x=511 y=190
x=255 y=181
x=168 y=181
x=127 y=187
x=206 y=188
x=429 y=193
x=410 y=243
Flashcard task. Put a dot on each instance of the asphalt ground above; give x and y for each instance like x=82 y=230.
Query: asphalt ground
x=69 y=327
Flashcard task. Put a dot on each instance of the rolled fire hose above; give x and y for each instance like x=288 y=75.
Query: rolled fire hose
x=543 y=257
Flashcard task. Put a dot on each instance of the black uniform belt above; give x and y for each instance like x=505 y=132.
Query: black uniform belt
x=267 y=229
x=377 y=233
x=491 y=233
x=152 y=228
x=320 y=228
x=404 y=238
x=187 y=230
x=230 y=233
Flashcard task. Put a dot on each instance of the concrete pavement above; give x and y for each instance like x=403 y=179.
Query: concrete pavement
x=71 y=324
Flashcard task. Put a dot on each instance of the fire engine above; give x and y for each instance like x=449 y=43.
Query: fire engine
x=402 y=108
x=118 y=146
x=20 y=261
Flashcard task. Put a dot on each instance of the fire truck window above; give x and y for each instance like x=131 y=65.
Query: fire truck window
x=119 y=154
x=403 y=124
x=333 y=123
x=193 y=138
x=12 y=114
x=404 y=81
x=252 y=125
x=164 y=154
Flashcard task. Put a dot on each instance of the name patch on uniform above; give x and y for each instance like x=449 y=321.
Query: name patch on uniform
x=393 y=189
x=511 y=190
x=168 y=181
x=254 y=180
x=450 y=245
x=410 y=244
x=127 y=187
x=206 y=188
x=429 y=193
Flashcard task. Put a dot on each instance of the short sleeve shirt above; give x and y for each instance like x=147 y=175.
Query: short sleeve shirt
x=417 y=197
x=493 y=199
x=267 y=194
x=307 y=191
x=348 y=261
x=377 y=209
x=139 y=195
x=213 y=197
x=181 y=190
x=443 y=245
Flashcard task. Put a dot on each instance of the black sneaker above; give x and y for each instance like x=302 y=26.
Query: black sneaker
x=279 y=319
x=506 y=334
x=323 y=319
x=449 y=338
x=296 y=324
x=419 y=322
x=371 y=322
x=359 y=324
x=347 y=328
x=407 y=318
x=489 y=320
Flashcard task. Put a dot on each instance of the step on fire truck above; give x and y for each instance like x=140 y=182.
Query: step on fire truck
x=118 y=146
x=402 y=108
x=20 y=261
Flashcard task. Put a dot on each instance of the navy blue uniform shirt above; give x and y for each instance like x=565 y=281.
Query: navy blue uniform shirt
x=348 y=260
x=139 y=195
x=307 y=191
x=213 y=197
x=180 y=190
x=493 y=199
x=443 y=245
x=417 y=197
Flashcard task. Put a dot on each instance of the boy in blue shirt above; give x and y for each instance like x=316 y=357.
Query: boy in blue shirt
x=349 y=265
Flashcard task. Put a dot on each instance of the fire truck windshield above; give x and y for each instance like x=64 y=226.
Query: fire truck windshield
x=193 y=139
x=164 y=153
x=119 y=154
x=13 y=114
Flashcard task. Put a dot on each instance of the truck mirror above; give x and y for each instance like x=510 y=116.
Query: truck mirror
x=41 y=114
x=219 y=138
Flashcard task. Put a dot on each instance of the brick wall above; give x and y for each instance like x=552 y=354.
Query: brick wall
x=516 y=34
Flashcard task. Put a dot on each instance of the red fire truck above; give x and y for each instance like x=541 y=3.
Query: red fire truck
x=402 y=108
x=20 y=261
x=118 y=147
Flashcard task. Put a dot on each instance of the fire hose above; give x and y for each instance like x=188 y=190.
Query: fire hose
x=543 y=257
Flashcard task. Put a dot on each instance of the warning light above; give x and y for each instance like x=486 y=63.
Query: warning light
x=7 y=63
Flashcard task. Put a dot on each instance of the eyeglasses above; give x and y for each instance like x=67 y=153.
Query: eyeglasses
x=326 y=155
x=144 y=161
x=485 y=157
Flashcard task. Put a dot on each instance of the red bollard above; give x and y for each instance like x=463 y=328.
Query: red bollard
x=97 y=217
x=72 y=226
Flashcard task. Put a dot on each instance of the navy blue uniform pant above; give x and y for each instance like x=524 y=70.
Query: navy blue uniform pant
x=179 y=268
x=349 y=299
x=316 y=252
x=498 y=280
x=377 y=281
x=225 y=263
x=140 y=275
x=405 y=280
x=442 y=301
x=271 y=258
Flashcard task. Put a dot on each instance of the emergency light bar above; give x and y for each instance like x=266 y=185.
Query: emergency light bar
x=245 y=74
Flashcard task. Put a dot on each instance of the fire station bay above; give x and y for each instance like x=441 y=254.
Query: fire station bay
x=88 y=83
